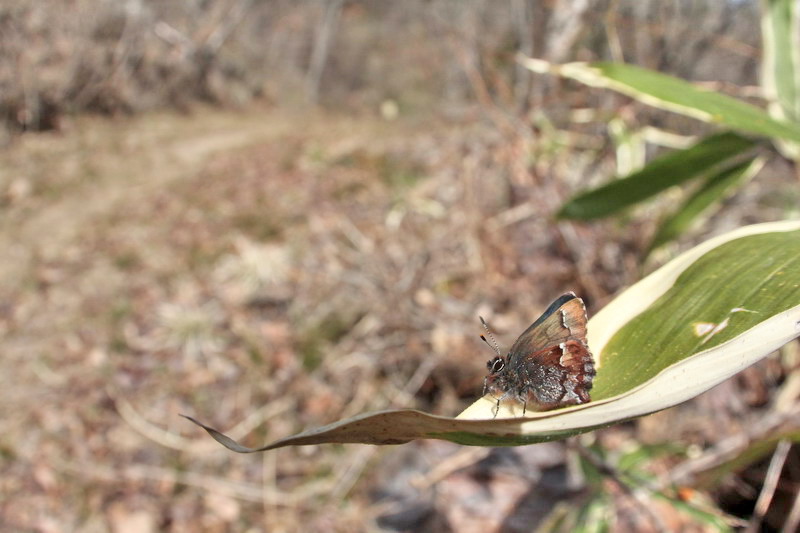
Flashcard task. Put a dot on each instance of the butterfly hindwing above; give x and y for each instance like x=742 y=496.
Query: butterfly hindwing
x=556 y=376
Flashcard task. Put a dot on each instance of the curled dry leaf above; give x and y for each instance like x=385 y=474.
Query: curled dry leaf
x=650 y=353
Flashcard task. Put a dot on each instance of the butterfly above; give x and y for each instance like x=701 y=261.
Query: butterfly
x=549 y=365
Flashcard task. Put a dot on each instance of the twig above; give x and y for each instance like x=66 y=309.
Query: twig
x=724 y=450
x=612 y=35
x=322 y=43
x=260 y=416
x=414 y=383
x=269 y=485
x=176 y=442
x=583 y=269
x=351 y=472
x=242 y=491
x=221 y=33
x=513 y=215
x=770 y=483
x=349 y=475
x=140 y=425
x=458 y=461
x=793 y=521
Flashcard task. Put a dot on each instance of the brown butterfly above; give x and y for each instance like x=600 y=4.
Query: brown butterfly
x=550 y=364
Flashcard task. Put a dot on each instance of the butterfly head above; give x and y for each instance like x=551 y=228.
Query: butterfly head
x=496 y=383
x=495 y=365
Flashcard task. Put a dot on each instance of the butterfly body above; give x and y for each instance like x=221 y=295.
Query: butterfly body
x=550 y=364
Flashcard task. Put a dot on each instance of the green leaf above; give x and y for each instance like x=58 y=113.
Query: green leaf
x=713 y=190
x=672 y=94
x=660 y=174
x=651 y=352
x=781 y=72
x=730 y=289
x=780 y=23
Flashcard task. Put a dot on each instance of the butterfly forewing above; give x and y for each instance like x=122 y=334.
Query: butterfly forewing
x=564 y=320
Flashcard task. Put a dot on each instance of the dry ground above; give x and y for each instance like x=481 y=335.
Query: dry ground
x=269 y=271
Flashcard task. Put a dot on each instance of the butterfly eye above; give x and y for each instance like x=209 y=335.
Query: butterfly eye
x=495 y=365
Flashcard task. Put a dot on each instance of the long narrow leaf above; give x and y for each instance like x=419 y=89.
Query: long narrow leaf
x=780 y=25
x=669 y=170
x=672 y=94
x=781 y=72
x=729 y=290
x=713 y=190
x=650 y=354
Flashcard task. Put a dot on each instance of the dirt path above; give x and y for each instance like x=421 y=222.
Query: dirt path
x=58 y=184
x=58 y=191
x=110 y=226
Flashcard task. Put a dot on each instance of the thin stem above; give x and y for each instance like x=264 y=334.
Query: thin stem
x=770 y=484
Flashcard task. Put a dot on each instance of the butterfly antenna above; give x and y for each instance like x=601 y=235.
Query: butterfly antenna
x=494 y=346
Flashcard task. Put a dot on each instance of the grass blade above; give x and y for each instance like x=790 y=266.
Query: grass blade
x=673 y=94
x=713 y=190
x=671 y=169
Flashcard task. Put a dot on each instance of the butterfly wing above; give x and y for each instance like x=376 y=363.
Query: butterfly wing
x=565 y=319
x=551 y=357
x=557 y=376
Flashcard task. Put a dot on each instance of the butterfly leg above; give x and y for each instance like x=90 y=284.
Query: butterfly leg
x=496 y=409
x=524 y=406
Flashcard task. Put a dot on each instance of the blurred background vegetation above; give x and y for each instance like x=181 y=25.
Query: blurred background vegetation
x=274 y=214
